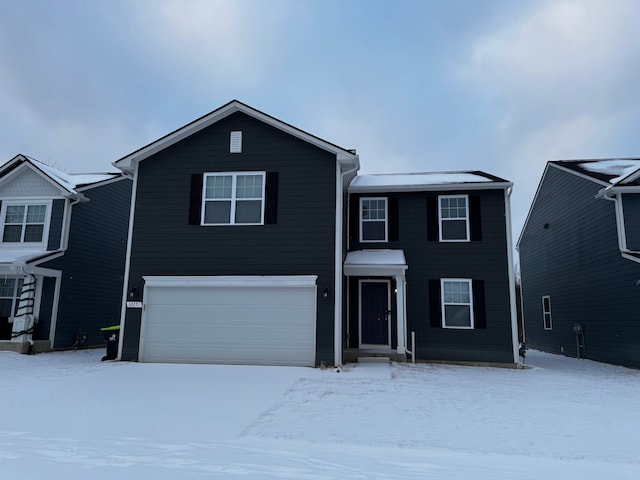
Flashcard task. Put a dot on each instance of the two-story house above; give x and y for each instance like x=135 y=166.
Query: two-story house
x=429 y=253
x=252 y=241
x=579 y=257
x=62 y=251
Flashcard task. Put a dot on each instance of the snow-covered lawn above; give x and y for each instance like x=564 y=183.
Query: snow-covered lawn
x=67 y=416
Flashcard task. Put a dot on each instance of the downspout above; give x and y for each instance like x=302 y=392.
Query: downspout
x=339 y=259
x=127 y=265
x=622 y=244
x=512 y=280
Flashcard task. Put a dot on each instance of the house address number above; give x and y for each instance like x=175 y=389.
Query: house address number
x=134 y=304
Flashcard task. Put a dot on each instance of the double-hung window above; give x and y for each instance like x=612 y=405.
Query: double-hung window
x=24 y=222
x=546 y=312
x=234 y=198
x=457 y=303
x=373 y=219
x=454 y=218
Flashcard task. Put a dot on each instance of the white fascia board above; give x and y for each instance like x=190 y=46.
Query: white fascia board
x=127 y=162
x=102 y=183
x=580 y=174
x=374 y=270
x=231 y=281
x=431 y=187
x=614 y=190
x=64 y=191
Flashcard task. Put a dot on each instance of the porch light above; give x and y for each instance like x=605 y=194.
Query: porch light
x=325 y=293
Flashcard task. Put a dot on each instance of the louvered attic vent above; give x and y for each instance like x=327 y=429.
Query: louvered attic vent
x=236 y=142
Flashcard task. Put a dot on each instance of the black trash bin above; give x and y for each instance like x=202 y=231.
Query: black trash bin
x=111 y=336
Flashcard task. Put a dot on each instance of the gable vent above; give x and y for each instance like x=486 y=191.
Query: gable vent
x=236 y=142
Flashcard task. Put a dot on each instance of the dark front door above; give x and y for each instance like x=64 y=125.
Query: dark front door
x=374 y=312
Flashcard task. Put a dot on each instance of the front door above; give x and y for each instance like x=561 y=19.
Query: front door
x=374 y=312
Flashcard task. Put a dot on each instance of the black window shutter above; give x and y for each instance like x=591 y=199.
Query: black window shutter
x=195 y=199
x=394 y=227
x=354 y=219
x=435 y=311
x=475 y=218
x=479 y=309
x=271 y=198
x=432 y=219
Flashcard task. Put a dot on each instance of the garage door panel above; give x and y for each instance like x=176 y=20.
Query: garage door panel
x=246 y=325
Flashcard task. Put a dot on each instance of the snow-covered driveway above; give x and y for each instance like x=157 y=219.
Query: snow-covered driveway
x=67 y=415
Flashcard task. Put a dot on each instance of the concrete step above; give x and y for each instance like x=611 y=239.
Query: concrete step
x=374 y=360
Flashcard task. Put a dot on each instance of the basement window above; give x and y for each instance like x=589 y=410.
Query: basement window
x=546 y=312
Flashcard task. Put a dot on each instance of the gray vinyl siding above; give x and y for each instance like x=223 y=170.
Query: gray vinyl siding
x=484 y=259
x=631 y=209
x=576 y=261
x=302 y=242
x=55 y=225
x=93 y=265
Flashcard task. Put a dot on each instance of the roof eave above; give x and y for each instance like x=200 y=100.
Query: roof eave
x=430 y=187
x=127 y=163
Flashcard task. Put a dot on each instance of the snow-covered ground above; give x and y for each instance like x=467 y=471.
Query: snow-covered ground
x=68 y=416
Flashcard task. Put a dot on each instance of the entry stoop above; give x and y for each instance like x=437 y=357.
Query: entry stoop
x=354 y=355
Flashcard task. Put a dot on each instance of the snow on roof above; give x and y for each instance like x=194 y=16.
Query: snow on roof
x=375 y=257
x=419 y=181
x=71 y=181
x=615 y=168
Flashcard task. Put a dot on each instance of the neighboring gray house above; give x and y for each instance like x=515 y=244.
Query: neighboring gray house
x=252 y=241
x=62 y=253
x=579 y=259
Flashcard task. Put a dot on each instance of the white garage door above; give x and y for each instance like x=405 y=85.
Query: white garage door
x=240 y=320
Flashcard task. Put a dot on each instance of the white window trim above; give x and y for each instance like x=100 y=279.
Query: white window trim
x=233 y=199
x=25 y=202
x=544 y=313
x=386 y=220
x=470 y=304
x=441 y=220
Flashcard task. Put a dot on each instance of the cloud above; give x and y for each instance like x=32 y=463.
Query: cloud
x=228 y=43
x=558 y=82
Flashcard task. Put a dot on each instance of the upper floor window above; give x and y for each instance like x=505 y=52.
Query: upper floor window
x=457 y=303
x=233 y=198
x=373 y=219
x=454 y=218
x=23 y=223
x=546 y=312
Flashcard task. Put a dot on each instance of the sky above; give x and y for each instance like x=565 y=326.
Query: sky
x=501 y=86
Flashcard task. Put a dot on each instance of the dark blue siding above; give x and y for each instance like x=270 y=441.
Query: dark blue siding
x=302 y=242
x=569 y=251
x=631 y=208
x=484 y=259
x=55 y=226
x=93 y=266
x=43 y=327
